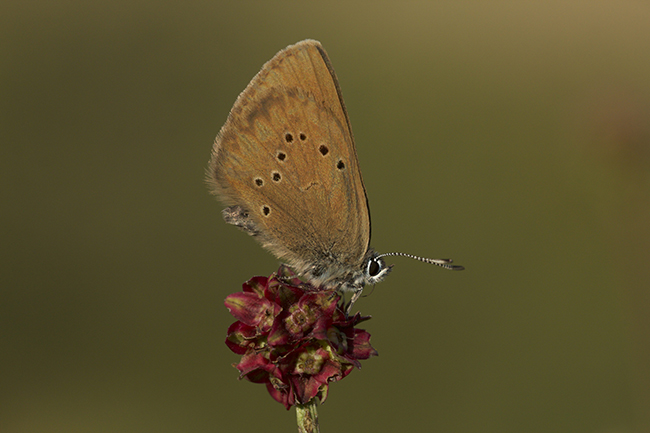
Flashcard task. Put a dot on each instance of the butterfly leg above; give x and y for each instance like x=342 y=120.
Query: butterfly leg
x=355 y=296
x=240 y=217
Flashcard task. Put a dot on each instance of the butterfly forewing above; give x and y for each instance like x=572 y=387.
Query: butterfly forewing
x=286 y=156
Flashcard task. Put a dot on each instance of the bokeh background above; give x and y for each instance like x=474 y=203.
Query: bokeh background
x=511 y=136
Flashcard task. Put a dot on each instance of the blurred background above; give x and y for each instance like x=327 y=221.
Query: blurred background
x=513 y=137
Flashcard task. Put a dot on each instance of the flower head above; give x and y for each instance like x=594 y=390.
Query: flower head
x=294 y=338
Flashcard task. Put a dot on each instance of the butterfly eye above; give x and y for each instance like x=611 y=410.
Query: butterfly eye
x=374 y=267
x=376 y=270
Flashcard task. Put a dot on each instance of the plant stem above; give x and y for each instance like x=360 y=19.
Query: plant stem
x=307 y=415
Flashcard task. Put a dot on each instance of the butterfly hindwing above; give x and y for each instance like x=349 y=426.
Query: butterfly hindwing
x=286 y=159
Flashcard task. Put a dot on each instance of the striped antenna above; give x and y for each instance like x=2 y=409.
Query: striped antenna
x=443 y=263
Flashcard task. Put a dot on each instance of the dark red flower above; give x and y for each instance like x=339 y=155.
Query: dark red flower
x=293 y=339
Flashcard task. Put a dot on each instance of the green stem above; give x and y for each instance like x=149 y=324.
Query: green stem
x=307 y=415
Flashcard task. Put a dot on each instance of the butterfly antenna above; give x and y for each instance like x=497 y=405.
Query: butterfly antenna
x=443 y=263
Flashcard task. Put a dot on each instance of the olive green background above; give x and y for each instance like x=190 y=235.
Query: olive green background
x=511 y=136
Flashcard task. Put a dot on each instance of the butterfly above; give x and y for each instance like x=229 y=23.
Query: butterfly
x=285 y=163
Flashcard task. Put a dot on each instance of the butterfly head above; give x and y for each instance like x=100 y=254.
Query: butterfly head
x=373 y=270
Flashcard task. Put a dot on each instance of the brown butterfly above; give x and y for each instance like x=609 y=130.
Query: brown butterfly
x=286 y=165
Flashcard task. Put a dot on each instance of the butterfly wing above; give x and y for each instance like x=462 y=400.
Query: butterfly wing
x=286 y=162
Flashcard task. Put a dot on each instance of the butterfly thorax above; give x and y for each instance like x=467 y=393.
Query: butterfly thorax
x=332 y=275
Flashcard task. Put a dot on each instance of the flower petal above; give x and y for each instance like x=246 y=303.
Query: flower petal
x=248 y=307
x=256 y=285
x=361 y=348
x=242 y=338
